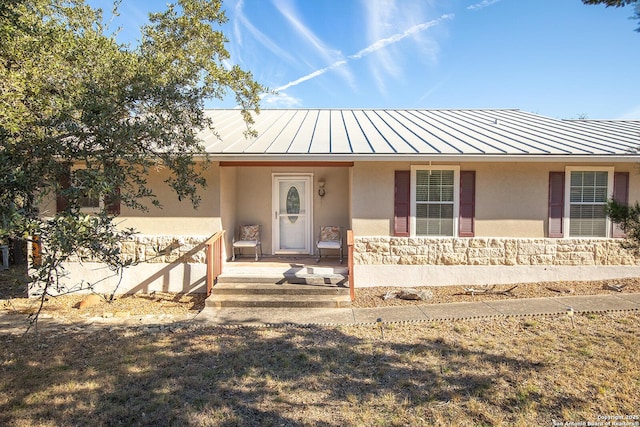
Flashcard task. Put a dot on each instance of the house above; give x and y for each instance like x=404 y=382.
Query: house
x=433 y=197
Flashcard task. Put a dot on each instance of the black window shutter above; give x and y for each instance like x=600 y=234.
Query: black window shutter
x=620 y=195
x=556 y=203
x=467 y=203
x=62 y=203
x=112 y=203
x=402 y=201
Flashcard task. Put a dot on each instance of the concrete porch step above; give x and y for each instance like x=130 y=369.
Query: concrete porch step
x=278 y=296
x=276 y=289
x=284 y=278
x=278 y=301
x=283 y=268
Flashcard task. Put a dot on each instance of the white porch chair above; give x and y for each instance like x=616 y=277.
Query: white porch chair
x=330 y=238
x=248 y=237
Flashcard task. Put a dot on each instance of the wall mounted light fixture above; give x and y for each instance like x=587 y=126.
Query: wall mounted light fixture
x=321 y=189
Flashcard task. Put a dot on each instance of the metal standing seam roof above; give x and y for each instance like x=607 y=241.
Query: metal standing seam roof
x=384 y=134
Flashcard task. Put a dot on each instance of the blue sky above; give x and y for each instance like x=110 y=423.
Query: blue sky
x=558 y=58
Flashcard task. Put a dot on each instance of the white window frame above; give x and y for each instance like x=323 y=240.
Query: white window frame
x=87 y=210
x=456 y=197
x=566 y=219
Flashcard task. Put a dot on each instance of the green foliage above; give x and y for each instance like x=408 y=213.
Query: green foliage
x=70 y=94
x=628 y=219
x=86 y=237
x=619 y=3
x=608 y=3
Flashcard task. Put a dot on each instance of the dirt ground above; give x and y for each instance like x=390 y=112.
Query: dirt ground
x=13 y=301
x=505 y=371
x=373 y=297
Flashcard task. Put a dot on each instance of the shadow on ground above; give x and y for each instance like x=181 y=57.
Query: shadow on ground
x=13 y=282
x=417 y=374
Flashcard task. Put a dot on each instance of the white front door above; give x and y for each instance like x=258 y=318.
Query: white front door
x=292 y=214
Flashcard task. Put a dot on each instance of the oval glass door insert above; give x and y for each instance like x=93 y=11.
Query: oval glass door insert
x=293 y=204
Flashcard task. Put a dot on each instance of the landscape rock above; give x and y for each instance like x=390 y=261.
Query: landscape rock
x=389 y=295
x=90 y=301
x=414 y=294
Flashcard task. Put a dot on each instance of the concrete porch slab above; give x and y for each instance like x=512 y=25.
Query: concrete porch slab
x=272 y=265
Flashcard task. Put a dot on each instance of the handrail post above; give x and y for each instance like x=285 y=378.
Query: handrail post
x=210 y=257
x=213 y=259
x=350 y=243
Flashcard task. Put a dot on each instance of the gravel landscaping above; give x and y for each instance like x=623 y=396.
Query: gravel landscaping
x=183 y=305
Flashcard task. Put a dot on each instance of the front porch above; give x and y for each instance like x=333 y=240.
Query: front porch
x=282 y=281
x=292 y=267
x=288 y=201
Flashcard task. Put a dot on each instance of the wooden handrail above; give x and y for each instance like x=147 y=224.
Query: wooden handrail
x=214 y=259
x=36 y=251
x=350 y=242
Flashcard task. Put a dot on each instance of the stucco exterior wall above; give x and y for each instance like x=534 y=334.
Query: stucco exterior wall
x=510 y=223
x=511 y=199
x=228 y=205
x=333 y=208
x=177 y=217
x=634 y=179
x=174 y=217
x=372 y=197
x=254 y=197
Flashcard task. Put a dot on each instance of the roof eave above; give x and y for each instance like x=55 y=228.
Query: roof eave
x=493 y=158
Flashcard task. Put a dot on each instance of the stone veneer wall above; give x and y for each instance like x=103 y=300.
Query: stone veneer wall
x=417 y=251
x=163 y=249
x=491 y=251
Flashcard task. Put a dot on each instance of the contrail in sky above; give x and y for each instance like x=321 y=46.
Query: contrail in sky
x=397 y=37
x=369 y=50
x=482 y=4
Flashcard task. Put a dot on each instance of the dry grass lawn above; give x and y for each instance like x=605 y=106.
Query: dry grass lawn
x=503 y=372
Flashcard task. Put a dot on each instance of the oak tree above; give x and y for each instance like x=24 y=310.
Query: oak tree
x=619 y=3
x=71 y=94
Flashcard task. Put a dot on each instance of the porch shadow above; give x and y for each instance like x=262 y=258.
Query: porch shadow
x=300 y=274
x=199 y=285
x=14 y=281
